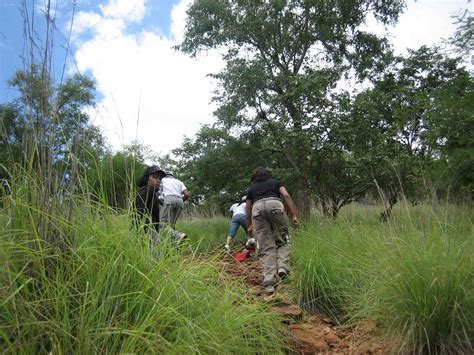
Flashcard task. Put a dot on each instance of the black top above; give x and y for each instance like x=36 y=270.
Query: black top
x=263 y=189
x=148 y=206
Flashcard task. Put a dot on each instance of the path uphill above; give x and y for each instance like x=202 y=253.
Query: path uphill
x=309 y=333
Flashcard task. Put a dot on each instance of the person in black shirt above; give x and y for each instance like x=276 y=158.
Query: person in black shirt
x=265 y=207
x=147 y=203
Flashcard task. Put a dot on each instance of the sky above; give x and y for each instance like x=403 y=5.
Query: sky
x=146 y=90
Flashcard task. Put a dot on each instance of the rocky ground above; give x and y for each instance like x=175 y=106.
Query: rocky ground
x=310 y=333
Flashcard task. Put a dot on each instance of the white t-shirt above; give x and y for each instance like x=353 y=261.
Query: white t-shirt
x=172 y=186
x=237 y=209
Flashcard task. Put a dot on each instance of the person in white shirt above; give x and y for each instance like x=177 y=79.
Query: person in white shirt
x=174 y=194
x=239 y=218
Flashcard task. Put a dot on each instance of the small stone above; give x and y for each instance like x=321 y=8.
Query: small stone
x=332 y=338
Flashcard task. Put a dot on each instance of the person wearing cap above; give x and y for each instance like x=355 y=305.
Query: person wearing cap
x=174 y=194
x=148 y=205
x=239 y=218
x=268 y=222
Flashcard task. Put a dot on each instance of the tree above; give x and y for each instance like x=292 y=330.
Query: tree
x=216 y=166
x=413 y=126
x=463 y=38
x=283 y=59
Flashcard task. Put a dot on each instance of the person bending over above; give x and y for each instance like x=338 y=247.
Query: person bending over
x=267 y=220
x=239 y=218
x=174 y=194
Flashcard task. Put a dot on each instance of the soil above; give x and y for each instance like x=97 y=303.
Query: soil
x=309 y=333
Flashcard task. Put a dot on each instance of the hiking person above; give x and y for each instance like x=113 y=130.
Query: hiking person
x=267 y=220
x=174 y=194
x=239 y=218
x=148 y=204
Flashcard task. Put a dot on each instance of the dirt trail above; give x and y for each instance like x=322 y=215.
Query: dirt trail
x=310 y=334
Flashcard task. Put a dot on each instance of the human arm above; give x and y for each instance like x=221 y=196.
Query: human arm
x=292 y=212
x=186 y=194
x=248 y=213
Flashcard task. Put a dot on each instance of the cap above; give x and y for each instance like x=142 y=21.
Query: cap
x=154 y=170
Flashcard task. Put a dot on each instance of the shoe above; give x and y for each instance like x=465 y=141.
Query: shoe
x=269 y=290
x=182 y=237
x=282 y=273
x=227 y=247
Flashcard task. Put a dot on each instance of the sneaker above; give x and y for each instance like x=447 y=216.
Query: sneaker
x=269 y=290
x=182 y=237
x=226 y=247
x=282 y=273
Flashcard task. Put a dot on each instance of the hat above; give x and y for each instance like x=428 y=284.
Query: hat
x=154 y=170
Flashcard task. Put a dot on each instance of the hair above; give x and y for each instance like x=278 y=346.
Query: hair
x=151 y=170
x=260 y=174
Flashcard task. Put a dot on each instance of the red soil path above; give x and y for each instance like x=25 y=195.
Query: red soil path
x=309 y=333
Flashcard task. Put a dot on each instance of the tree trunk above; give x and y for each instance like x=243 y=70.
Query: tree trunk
x=387 y=212
x=303 y=201
x=434 y=197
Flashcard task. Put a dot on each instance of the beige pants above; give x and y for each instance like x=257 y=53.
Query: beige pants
x=270 y=226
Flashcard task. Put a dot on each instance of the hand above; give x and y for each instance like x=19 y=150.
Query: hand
x=295 y=222
x=250 y=232
x=250 y=242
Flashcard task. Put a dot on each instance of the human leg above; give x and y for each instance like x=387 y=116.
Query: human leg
x=266 y=239
x=232 y=232
x=165 y=212
x=279 y=223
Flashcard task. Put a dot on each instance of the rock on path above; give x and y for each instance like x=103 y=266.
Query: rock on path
x=310 y=334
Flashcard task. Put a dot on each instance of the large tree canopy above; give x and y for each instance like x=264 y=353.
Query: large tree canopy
x=283 y=60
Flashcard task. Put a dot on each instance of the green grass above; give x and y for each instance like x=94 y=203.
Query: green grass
x=208 y=235
x=413 y=275
x=76 y=278
x=94 y=285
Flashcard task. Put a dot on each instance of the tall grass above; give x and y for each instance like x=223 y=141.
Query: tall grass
x=110 y=291
x=208 y=235
x=413 y=275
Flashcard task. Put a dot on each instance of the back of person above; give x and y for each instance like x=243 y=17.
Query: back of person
x=266 y=200
x=174 y=194
x=264 y=189
x=238 y=208
x=172 y=187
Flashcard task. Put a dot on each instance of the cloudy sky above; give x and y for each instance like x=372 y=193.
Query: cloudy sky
x=145 y=89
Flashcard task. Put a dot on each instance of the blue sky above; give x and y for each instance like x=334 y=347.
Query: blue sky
x=145 y=89
x=157 y=18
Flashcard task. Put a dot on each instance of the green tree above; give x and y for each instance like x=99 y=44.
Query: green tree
x=217 y=166
x=463 y=37
x=413 y=126
x=283 y=58
x=47 y=127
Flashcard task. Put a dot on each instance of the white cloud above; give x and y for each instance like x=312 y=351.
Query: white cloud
x=424 y=22
x=150 y=91
x=157 y=95
x=129 y=10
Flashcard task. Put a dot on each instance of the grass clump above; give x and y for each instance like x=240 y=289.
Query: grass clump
x=413 y=275
x=105 y=289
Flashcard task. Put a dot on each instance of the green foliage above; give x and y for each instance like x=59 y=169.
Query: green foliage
x=217 y=167
x=413 y=276
x=108 y=291
x=283 y=60
x=113 y=179
x=463 y=38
